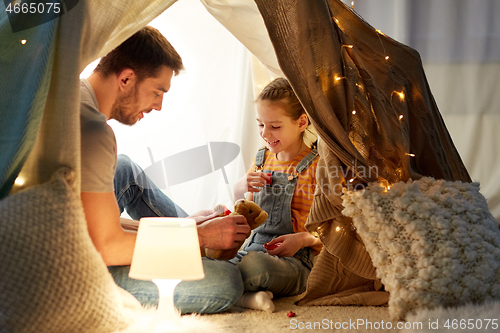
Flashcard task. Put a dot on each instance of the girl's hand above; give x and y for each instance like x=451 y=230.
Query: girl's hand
x=290 y=244
x=251 y=182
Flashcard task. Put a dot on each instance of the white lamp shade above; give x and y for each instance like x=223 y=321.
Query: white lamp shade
x=167 y=248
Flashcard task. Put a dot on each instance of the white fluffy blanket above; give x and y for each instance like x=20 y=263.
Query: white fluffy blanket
x=433 y=242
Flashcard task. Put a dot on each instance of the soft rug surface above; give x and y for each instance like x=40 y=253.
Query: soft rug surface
x=328 y=318
x=433 y=242
x=467 y=318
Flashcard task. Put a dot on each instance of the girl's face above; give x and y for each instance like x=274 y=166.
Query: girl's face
x=281 y=133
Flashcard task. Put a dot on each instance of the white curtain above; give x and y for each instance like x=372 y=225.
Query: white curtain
x=213 y=100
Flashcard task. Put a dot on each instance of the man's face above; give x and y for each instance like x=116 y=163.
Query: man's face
x=140 y=98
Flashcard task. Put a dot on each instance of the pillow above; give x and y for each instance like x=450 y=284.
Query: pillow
x=52 y=277
x=433 y=242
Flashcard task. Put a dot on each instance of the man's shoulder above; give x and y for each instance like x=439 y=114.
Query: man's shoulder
x=93 y=124
x=92 y=121
x=88 y=102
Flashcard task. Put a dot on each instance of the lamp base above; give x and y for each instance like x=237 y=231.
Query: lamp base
x=167 y=316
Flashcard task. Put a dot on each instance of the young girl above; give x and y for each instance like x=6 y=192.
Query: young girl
x=281 y=181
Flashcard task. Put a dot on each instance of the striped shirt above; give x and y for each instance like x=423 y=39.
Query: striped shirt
x=304 y=189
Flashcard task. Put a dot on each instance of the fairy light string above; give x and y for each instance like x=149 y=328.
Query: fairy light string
x=399 y=92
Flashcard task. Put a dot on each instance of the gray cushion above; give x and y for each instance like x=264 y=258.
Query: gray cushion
x=433 y=242
x=52 y=277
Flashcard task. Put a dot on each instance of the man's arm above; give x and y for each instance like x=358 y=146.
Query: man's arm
x=115 y=245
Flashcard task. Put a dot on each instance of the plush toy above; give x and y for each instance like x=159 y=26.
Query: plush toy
x=252 y=212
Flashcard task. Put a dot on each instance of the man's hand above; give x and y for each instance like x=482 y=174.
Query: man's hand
x=203 y=215
x=223 y=232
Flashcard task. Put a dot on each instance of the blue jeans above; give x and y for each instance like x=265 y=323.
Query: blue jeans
x=222 y=285
x=137 y=194
x=217 y=292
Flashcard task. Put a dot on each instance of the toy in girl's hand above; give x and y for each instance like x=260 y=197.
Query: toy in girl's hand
x=255 y=216
x=273 y=246
x=270 y=181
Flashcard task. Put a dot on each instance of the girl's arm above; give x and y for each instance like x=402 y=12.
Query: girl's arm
x=291 y=243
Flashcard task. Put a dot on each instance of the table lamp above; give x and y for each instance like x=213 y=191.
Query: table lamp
x=166 y=251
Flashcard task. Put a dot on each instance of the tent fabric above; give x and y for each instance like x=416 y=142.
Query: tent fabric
x=93 y=28
x=88 y=31
x=459 y=43
x=40 y=115
x=53 y=279
x=20 y=118
x=368 y=97
x=243 y=20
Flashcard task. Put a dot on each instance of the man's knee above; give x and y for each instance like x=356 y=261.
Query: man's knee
x=217 y=292
x=123 y=161
x=127 y=170
x=225 y=276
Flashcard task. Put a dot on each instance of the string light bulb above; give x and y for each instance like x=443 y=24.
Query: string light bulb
x=353 y=111
x=401 y=95
x=352 y=5
x=386 y=57
x=401 y=117
x=23 y=41
x=412 y=155
x=19 y=181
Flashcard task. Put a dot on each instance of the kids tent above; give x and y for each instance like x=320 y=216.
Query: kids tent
x=335 y=62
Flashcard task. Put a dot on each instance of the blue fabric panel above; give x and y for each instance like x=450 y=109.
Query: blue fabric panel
x=25 y=73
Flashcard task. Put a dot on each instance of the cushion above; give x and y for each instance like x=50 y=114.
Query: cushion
x=433 y=242
x=53 y=279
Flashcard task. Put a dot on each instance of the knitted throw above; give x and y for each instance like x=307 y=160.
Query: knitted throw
x=52 y=278
x=433 y=242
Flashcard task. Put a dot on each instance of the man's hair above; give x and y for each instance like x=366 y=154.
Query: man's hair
x=144 y=52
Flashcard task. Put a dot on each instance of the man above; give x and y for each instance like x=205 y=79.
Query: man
x=129 y=82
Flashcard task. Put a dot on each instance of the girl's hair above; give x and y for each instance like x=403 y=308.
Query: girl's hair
x=280 y=90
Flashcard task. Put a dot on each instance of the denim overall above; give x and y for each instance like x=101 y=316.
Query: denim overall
x=276 y=200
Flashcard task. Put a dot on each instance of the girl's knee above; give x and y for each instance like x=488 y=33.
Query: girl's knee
x=256 y=270
x=255 y=261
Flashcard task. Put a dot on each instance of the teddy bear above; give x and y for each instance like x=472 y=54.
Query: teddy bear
x=252 y=212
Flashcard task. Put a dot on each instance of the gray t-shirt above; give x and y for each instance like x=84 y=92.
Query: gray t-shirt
x=98 y=144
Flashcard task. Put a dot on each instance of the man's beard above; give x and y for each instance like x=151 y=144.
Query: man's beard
x=124 y=110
